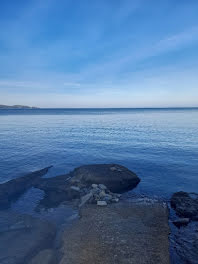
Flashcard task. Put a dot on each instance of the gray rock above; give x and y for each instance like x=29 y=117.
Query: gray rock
x=117 y=180
x=102 y=194
x=101 y=203
x=181 y=222
x=75 y=188
x=22 y=237
x=115 y=200
x=94 y=185
x=185 y=204
x=85 y=198
x=113 y=168
x=108 y=198
x=102 y=187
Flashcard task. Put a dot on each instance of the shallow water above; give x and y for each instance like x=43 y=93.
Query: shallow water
x=160 y=145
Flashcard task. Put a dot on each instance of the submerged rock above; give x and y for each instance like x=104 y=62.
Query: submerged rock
x=11 y=190
x=181 y=222
x=22 y=237
x=103 y=179
x=185 y=204
x=116 y=178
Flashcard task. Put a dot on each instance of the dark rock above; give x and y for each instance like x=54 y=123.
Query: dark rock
x=78 y=183
x=11 y=190
x=57 y=190
x=115 y=177
x=185 y=250
x=22 y=237
x=181 y=222
x=185 y=204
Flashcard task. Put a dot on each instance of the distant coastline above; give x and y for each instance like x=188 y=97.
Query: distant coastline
x=17 y=107
x=96 y=108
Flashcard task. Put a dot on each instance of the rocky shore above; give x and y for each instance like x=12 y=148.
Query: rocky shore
x=109 y=228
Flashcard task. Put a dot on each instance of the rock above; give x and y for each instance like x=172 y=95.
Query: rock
x=22 y=237
x=102 y=194
x=46 y=256
x=72 y=186
x=57 y=190
x=11 y=190
x=102 y=187
x=181 y=222
x=86 y=198
x=117 y=180
x=115 y=200
x=75 y=188
x=185 y=247
x=113 y=168
x=101 y=203
x=185 y=204
x=108 y=198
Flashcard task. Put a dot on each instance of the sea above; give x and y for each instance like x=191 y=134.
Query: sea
x=159 y=145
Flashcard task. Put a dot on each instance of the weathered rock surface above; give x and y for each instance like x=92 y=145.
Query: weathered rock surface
x=185 y=204
x=22 y=237
x=118 y=233
x=12 y=189
x=115 y=177
x=74 y=185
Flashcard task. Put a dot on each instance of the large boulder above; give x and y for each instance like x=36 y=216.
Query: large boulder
x=22 y=237
x=11 y=190
x=71 y=186
x=185 y=204
x=115 y=177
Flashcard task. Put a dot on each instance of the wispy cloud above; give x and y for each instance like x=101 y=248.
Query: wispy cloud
x=97 y=47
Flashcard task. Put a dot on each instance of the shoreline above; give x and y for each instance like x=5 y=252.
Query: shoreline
x=74 y=219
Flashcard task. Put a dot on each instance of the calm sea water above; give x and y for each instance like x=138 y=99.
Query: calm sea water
x=160 y=145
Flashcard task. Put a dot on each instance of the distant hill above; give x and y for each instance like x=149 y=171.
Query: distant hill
x=16 y=107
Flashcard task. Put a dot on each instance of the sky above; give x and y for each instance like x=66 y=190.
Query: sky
x=99 y=53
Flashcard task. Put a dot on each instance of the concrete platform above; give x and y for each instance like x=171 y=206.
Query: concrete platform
x=123 y=233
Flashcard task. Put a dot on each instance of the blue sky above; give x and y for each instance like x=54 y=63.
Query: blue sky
x=99 y=53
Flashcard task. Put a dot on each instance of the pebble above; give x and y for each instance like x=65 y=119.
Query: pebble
x=102 y=187
x=115 y=200
x=113 y=168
